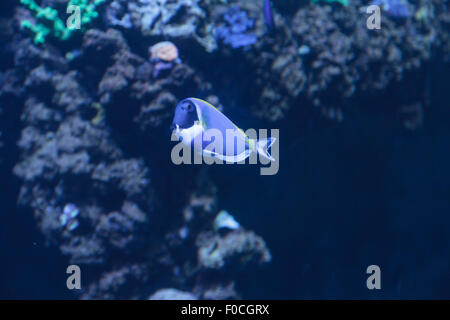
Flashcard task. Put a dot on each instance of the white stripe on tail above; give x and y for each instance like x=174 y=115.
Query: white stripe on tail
x=262 y=147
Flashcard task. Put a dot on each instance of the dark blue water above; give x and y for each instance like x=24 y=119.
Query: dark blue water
x=349 y=196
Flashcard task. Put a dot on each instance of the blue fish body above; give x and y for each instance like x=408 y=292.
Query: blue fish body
x=196 y=123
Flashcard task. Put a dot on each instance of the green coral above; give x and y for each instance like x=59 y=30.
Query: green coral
x=49 y=22
x=343 y=2
x=100 y=113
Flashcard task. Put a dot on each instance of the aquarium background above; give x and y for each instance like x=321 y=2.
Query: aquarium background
x=87 y=178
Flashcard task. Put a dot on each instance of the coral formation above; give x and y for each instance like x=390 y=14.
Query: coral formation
x=71 y=165
x=343 y=2
x=345 y=62
x=164 y=56
x=237 y=29
x=47 y=20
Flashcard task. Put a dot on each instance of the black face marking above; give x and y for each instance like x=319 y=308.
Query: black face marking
x=185 y=114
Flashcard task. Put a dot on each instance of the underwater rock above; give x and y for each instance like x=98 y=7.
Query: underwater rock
x=128 y=175
x=127 y=79
x=172 y=294
x=11 y=85
x=236 y=249
x=27 y=56
x=71 y=163
x=83 y=250
x=237 y=29
x=119 y=76
x=345 y=62
x=170 y=18
x=119 y=228
x=220 y=292
x=119 y=283
x=39 y=77
x=44 y=160
x=69 y=95
x=153 y=114
x=117 y=14
x=40 y=115
x=99 y=45
x=64 y=159
x=224 y=220
x=163 y=56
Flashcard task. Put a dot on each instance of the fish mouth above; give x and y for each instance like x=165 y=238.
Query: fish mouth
x=175 y=127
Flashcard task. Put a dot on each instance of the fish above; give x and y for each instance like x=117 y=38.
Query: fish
x=195 y=119
x=268 y=15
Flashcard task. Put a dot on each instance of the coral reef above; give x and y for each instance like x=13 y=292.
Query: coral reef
x=172 y=294
x=343 y=2
x=176 y=19
x=51 y=23
x=345 y=62
x=237 y=29
x=90 y=195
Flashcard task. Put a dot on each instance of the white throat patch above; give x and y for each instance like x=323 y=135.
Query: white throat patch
x=189 y=134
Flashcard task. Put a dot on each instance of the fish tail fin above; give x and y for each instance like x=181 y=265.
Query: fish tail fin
x=262 y=147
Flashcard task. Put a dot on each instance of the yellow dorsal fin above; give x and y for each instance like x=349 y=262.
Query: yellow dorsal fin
x=239 y=129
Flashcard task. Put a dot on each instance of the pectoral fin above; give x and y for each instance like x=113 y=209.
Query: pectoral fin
x=211 y=154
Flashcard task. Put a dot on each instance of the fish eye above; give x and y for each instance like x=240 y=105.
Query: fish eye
x=187 y=106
